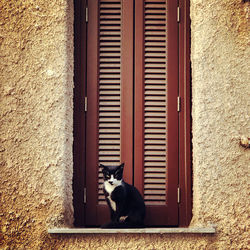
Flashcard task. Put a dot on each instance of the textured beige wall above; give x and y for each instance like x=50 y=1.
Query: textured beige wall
x=36 y=76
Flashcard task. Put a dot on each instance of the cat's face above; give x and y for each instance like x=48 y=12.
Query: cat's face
x=112 y=174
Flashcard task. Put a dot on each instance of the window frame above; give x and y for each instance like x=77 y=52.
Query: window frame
x=79 y=156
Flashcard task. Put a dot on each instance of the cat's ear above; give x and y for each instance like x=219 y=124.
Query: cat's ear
x=102 y=166
x=122 y=166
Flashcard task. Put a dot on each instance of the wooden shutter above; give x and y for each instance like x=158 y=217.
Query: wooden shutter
x=137 y=21
x=156 y=117
x=132 y=115
x=109 y=142
x=155 y=104
x=110 y=98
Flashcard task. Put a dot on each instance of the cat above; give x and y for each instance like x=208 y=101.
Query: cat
x=127 y=208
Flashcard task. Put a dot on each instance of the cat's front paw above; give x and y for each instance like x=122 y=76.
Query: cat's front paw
x=123 y=218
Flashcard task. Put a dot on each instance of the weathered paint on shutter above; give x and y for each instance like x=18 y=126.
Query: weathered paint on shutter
x=109 y=123
x=155 y=102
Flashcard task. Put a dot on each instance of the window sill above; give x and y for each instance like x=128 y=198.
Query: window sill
x=198 y=230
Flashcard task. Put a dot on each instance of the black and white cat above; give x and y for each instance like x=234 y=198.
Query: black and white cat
x=127 y=208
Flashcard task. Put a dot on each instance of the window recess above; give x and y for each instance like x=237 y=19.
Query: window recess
x=132 y=83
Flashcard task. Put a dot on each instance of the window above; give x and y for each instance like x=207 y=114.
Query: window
x=132 y=106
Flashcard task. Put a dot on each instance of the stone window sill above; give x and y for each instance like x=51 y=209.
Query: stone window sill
x=197 y=230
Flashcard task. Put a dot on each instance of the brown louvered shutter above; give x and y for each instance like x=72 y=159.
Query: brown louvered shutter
x=132 y=86
x=109 y=141
x=115 y=87
x=155 y=102
x=156 y=119
x=110 y=98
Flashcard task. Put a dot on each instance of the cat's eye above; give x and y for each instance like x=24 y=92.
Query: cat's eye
x=117 y=174
x=106 y=174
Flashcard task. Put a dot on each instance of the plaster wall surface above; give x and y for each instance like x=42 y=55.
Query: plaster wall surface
x=36 y=123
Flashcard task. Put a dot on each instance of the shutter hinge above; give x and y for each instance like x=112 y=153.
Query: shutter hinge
x=178 y=195
x=85 y=103
x=87 y=14
x=178 y=14
x=85 y=195
x=178 y=104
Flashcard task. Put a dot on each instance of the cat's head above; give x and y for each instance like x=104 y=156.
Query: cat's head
x=112 y=174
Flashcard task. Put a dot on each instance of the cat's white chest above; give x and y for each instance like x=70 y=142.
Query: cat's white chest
x=109 y=189
x=112 y=203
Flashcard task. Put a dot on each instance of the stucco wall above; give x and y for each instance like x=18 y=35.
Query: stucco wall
x=36 y=70
x=36 y=98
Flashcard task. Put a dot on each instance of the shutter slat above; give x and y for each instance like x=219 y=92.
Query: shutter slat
x=155 y=81
x=110 y=33
x=108 y=120
x=155 y=147
x=153 y=125
x=155 y=136
x=110 y=2
x=109 y=10
x=109 y=153
x=109 y=108
x=108 y=137
x=155 y=70
x=109 y=92
x=110 y=44
x=108 y=147
x=155 y=158
x=155 y=114
x=155 y=44
x=153 y=164
x=109 y=125
x=109 y=81
x=110 y=6
x=155 y=120
x=154 y=176
x=155 y=108
x=155 y=22
x=151 y=33
x=109 y=159
x=110 y=65
x=154 y=181
x=155 y=2
x=154 y=170
x=159 y=130
x=154 y=60
x=110 y=22
x=156 y=6
x=110 y=54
